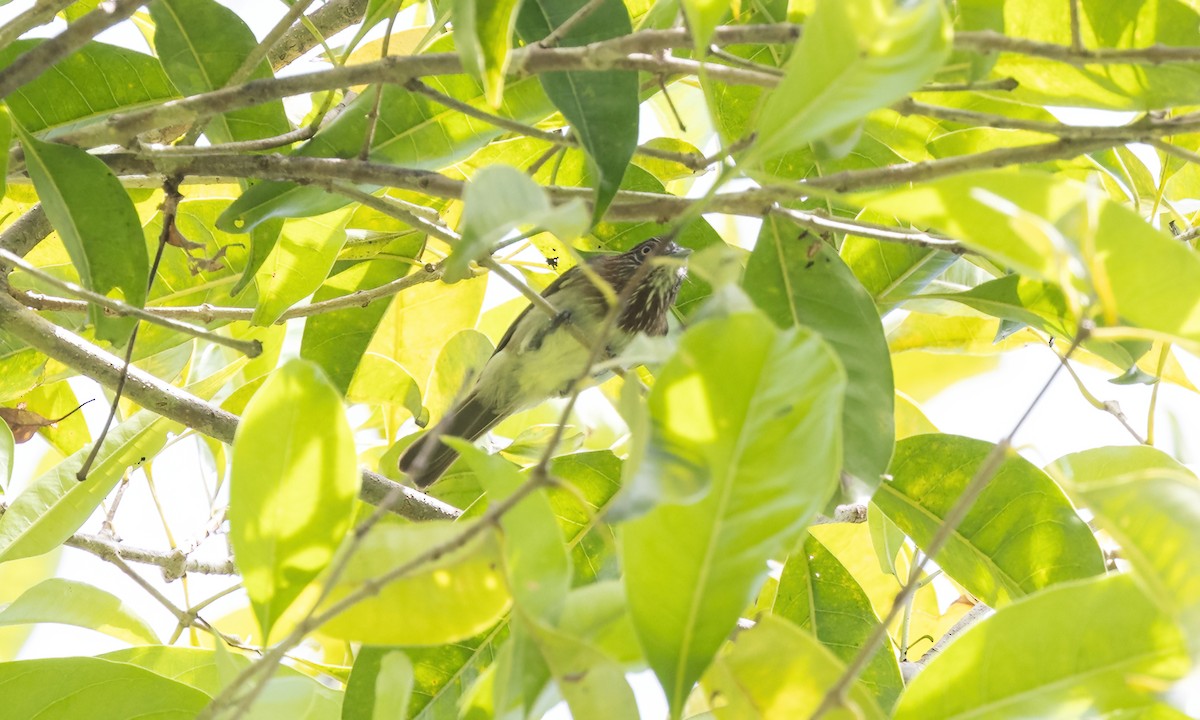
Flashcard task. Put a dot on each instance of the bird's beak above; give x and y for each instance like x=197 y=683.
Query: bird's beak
x=677 y=251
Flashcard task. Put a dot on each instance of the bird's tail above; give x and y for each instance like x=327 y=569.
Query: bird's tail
x=425 y=462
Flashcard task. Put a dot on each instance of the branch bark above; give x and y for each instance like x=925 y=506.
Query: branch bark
x=176 y=404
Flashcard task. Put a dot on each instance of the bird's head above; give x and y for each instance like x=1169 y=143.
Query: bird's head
x=657 y=286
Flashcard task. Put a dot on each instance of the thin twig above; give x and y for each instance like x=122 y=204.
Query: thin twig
x=174 y=564
x=1112 y=407
x=211 y=313
x=1076 y=29
x=583 y=13
x=1004 y=84
x=42 y=56
x=373 y=115
x=250 y=348
x=175 y=403
x=170 y=206
x=241 y=146
x=42 y=12
x=329 y=19
x=822 y=223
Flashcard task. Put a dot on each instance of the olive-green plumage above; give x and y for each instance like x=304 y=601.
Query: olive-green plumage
x=540 y=358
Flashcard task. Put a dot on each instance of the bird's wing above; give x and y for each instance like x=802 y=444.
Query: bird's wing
x=548 y=293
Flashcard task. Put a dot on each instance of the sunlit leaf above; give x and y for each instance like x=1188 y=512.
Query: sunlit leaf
x=456 y=595
x=299 y=263
x=602 y=107
x=84 y=687
x=1094 y=647
x=97 y=222
x=537 y=563
x=820 y=596
x=1103 y=25
x=498 y=200
x=69 y=602
x=744 y=411
x=292 y=486
x=337 y=340
x=1151 y=505
x=797 y=279
x=380 y=686
x=1021 y=535
x=871 y=53
x=775 y=671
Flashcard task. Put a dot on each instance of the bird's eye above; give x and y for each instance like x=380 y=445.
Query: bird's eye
x=646 y=249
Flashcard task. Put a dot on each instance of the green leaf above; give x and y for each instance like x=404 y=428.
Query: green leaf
x=1021 y=535
x=483 y=37
x=413 y=131
x=536 y=562
x=98 y=224
x=499 y=199
x=1052 y=228
x=1094 y=647
x=458 y=366
x=69 y=602
x=296 y=697
x=819 y=595
x=74 y=687
x=886 y=539
x=456 y=596
x=418 y=324
x=190 y=666
x=55 y=505
x=602 y=107
x=743 y=412
x=592 y=683
x=1150 y=504
x=85 y=86
x=775 y=671
x=592 y=478
x=1103 y=25
x=802 y=281
x=292 y=486
x=299 y=263
x=893 y=272
x=201 y=45
x=337 y=340
x=870 y=53
x=1036 y=303
x=380 y=686
x=442 y=673
x=703 y=17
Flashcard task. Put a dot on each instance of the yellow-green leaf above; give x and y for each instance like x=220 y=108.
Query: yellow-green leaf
x=292 y=488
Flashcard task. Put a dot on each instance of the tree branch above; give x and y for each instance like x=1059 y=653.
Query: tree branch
x=250 y=348
x=986 y=41
x=174 y=563
x=211 y=313
x=174 y=403
x=332 y=18
x=35 y=61
x=42 y=12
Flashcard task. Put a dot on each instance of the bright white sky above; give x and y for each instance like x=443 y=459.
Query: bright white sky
x=985 y=407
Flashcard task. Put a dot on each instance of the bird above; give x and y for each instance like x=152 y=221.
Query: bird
x=540 y=357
